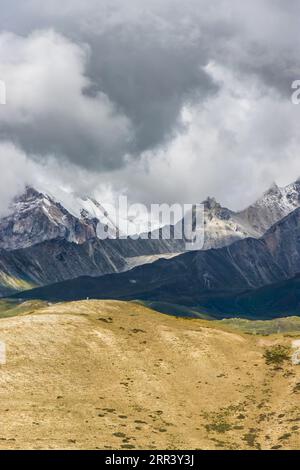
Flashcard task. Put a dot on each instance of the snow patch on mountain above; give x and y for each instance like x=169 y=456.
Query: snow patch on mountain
x=35 y=217
x=275 y=204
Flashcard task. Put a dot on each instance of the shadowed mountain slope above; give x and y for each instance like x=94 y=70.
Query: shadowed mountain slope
x=193 y=278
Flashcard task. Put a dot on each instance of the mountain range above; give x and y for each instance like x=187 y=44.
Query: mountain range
x=44 y=244
x=196 y=278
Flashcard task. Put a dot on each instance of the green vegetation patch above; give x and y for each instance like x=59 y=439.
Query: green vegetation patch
x=12 y=308
x=263 y=327
x=277 y=355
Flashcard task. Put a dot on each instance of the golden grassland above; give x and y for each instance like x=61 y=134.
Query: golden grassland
x=117 y=375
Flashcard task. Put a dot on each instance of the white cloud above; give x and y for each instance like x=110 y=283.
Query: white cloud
x=235 y=145
x=48 y=109
x=148 y=58
x=16 y=172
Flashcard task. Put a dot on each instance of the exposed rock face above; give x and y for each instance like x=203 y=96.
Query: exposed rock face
x=217 y=226
x=223 y=226
x=54 y=261
x=36 y=217
x=248 y=263
x=275 y=204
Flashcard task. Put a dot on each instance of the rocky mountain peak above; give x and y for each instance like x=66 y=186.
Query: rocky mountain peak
x=213 y=209
x=210 y=203
x=273 y=189
x=35 y=217
x=275 y=204
x=29 y=194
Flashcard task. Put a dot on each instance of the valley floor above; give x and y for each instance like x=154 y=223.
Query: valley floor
x=107 y=374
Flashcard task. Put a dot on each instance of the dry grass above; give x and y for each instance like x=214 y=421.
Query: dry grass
x=107 y=374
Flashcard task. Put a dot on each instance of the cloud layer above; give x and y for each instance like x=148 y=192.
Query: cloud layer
x=49 y=111
x=166 y=100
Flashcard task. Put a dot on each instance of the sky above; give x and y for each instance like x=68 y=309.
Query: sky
x=164 y=101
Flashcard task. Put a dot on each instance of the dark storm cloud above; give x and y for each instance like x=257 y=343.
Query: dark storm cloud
x=147 y=65
x=111 y=80
x=149 y=61
x=150 y=81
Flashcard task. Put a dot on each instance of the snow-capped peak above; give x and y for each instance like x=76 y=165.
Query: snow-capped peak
x=275 y=204
x=35 y=217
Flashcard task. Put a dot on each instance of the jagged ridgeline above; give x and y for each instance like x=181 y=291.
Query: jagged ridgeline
x=44 y=241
